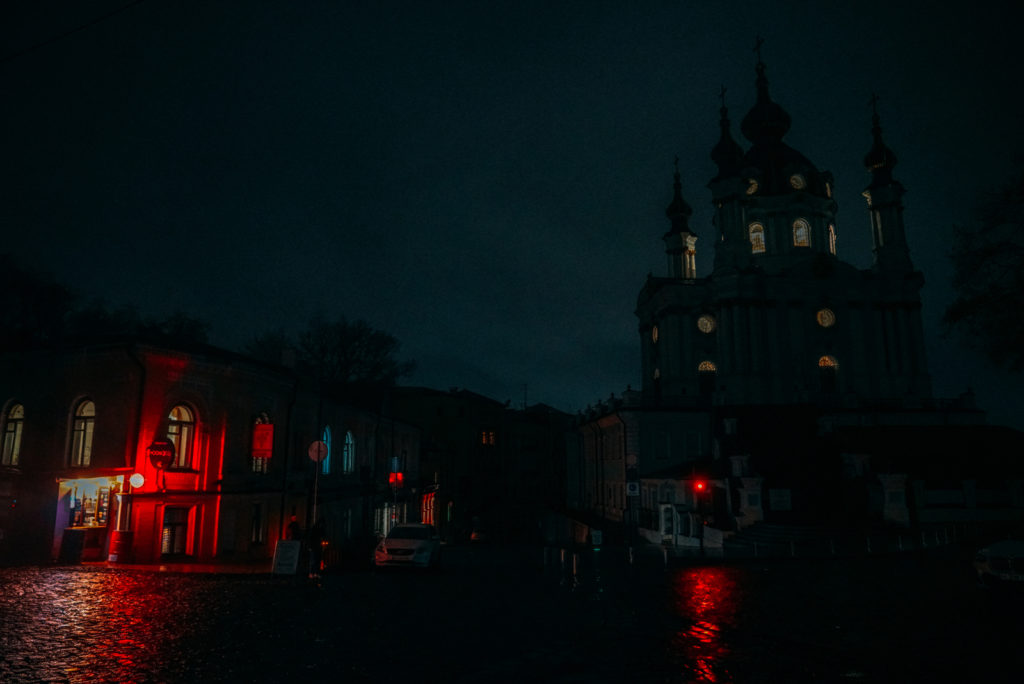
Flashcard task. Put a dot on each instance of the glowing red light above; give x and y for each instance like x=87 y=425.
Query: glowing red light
x=699 y=486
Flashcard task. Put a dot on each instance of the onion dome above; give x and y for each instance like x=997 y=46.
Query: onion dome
x=880 y=160
x=727 y=153
x=678 y=211
x=766 y=122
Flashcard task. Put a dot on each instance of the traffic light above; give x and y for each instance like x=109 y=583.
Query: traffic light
x=699 y=486
x=395 y=479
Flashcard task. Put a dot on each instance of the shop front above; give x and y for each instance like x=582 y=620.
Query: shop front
x=88 y=510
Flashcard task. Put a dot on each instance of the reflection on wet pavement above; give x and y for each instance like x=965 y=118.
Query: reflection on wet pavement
x=709 y=598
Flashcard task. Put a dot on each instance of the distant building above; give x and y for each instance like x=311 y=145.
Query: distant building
x=138 y=451
x=485 y=464
x=764 y=382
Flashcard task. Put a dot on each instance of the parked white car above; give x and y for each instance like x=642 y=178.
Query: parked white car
x=410 y=545
x=1001 y=562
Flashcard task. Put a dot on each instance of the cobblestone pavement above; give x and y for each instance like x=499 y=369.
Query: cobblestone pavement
x=480 y=618
x=491 y=616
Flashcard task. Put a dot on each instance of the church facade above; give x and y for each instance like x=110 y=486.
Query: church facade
x=756 y=378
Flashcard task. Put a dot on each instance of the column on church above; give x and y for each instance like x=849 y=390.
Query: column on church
x=776 y=344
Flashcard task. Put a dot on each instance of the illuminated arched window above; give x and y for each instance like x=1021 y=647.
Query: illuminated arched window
x=181 y=426
x=81 y=434
x=801 y=233
x=14 y=422
x=706 y=373
x=756 y=231
x=827 y=368
x=348 y=453
x=831 y=238
x=325 y=465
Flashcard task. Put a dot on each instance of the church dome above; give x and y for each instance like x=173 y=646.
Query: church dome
x=766 y=122
x=772 y=166
x=727 y=153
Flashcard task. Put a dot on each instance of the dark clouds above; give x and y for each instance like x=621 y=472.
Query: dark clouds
x=485 y=180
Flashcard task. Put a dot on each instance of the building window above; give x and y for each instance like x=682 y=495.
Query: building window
x=487 y=438
x=427 y=509
x=706 y=323
x=756 y=238
x=81 y=434
x=827 y=368
x=325 y=465
x=15 y=421
x=256 y=536
x=801 y=233
x=707 y=371
x=262 y=443
x=826 y=318
x=174 y=535
x=348 y=453
x=180 y=431
x=831 y=238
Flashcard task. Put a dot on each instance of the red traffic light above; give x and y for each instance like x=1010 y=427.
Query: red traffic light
x=395 y=479
x=699 y=486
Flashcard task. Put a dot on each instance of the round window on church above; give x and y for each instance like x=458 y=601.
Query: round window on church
x=797 y=181
x=826 y=319
x=706 y=323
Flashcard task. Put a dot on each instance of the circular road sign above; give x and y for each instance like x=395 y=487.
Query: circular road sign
x=317 y=451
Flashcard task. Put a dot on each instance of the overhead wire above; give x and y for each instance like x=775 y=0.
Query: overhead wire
x=71 y=32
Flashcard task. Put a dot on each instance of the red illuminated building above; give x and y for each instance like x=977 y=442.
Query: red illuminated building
x=140 y=452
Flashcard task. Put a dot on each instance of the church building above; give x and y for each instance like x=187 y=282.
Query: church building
x=764 y=383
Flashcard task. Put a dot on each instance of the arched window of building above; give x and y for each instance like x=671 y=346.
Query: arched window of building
x=325 y=465
x=707 y=372
x=756 y=231
x=831 y=238
x=801 y=233
x=348 y=453
x=262 y=443
x=14 y=422
x=828 y=368
x=81 y=434
x=181 y=426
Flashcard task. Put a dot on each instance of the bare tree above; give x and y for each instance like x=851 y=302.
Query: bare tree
x=346 y=356
x=988 y=277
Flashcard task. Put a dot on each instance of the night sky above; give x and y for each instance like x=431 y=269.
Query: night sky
x=484 y=180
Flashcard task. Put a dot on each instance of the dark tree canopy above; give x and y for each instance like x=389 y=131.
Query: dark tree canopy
x=345 y=355
x=39 y=310
x=35 y=306
x=988 y=277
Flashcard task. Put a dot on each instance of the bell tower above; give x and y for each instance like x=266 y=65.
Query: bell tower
x=885 y=203
x=680 y=241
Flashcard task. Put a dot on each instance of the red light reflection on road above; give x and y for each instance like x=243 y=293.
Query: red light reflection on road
x=709 y=599
x=102 y=626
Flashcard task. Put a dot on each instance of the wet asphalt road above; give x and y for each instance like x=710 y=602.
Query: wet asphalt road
x=497 y=615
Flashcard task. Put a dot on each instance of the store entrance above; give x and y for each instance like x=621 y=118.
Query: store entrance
x=174 y=536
